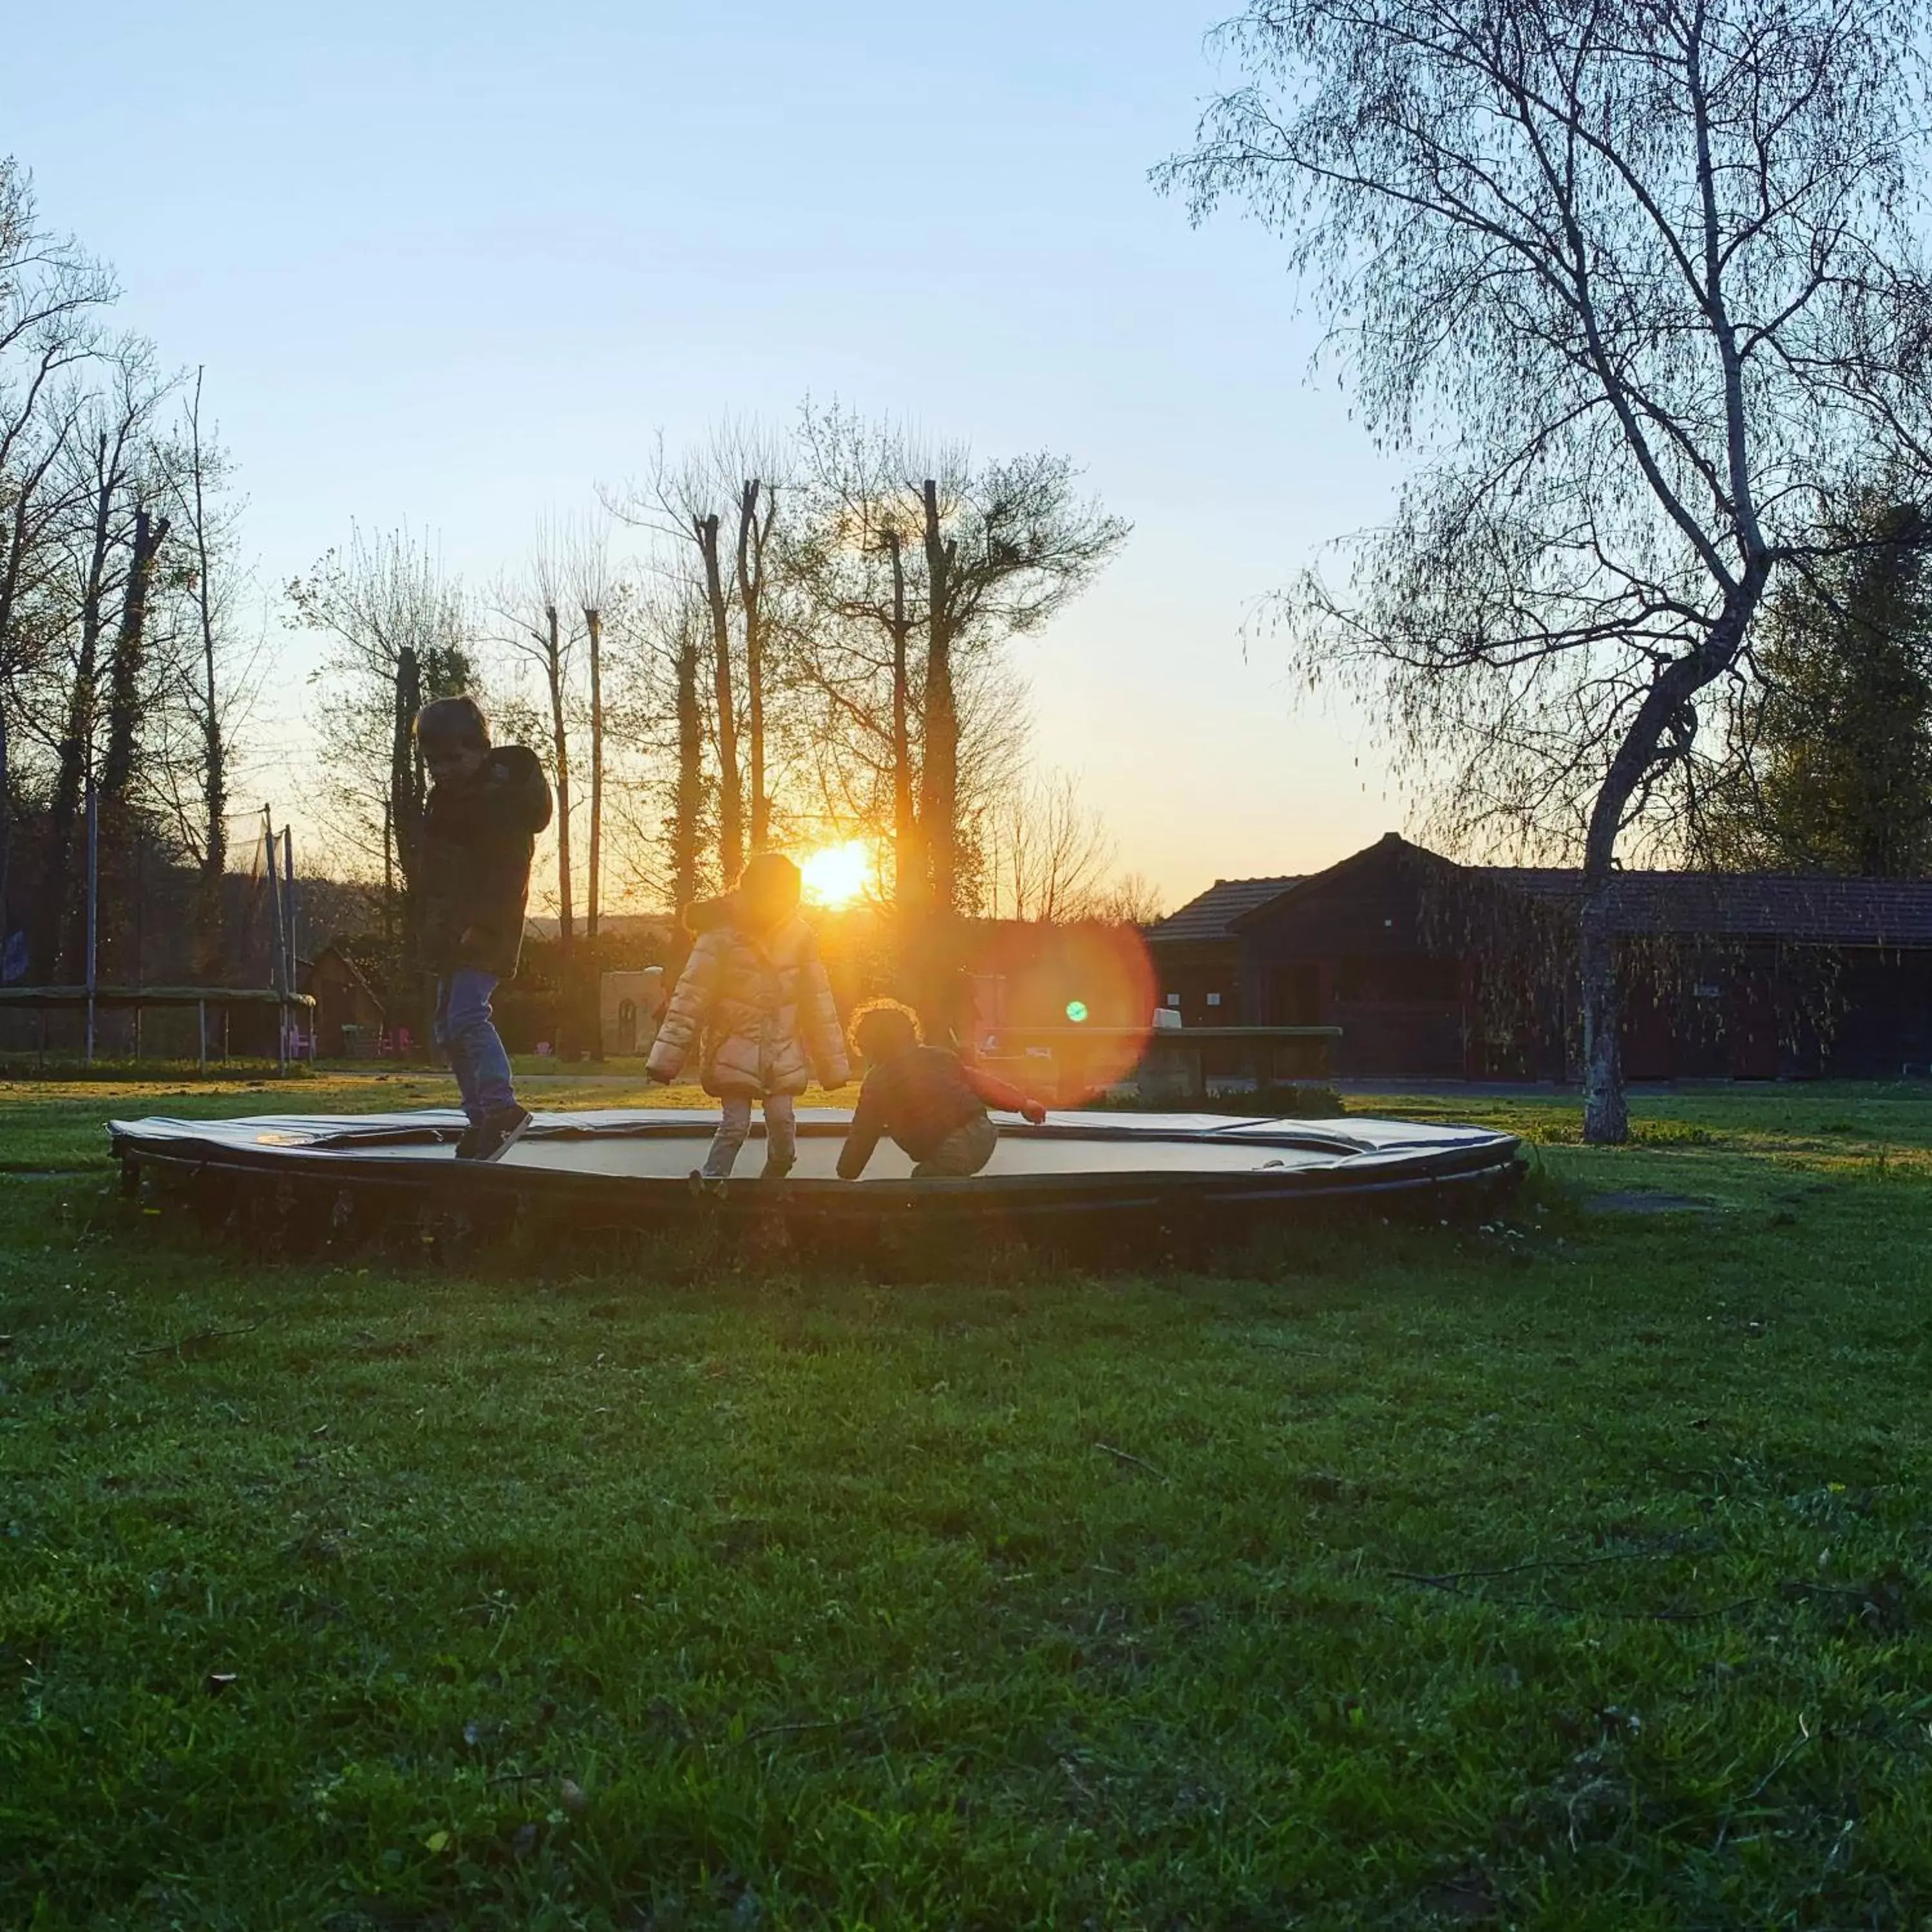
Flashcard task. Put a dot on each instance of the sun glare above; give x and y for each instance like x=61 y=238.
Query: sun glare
x=836 y=875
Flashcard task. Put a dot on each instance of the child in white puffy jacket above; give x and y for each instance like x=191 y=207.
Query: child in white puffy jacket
x=753 y=994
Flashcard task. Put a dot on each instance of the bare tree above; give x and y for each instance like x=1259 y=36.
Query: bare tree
x=1049 y=852
x=755 y=461
x=92 y=686
x=848 y=557
x=722 y=501
x=589 y=570
x=109 y=544
x=198 y=472
x=52 y=296
x=534 y=609
x=724 y=715
x=920 y=567
x=1618 y=275
x=657 y=796
x=1006 y=545
x=399 y=634
x=1131 y=899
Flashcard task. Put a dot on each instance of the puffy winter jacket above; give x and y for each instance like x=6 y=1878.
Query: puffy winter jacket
x=760 y=1002
x=475 y=869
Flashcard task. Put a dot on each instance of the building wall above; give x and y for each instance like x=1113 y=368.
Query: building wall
x=1202 y=981
x=1879 y=1024
x=342 y=1000
x=1352 y=951
x=1360 y=952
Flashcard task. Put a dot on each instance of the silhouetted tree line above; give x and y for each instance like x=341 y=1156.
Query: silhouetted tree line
x=810 y=644
x=122 y=676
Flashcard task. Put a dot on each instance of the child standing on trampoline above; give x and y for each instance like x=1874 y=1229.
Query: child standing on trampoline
x=755 y=992
x=486 y=805
x=926 y=1098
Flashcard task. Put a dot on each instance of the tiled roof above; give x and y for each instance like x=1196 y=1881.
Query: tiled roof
x=1748 y=905
x=1210 y=917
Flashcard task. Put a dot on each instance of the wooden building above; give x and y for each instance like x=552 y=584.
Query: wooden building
x=1436 y=970
x=1198 y=950
x=350 y=1015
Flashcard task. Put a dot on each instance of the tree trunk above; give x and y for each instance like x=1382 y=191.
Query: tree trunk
x=406 y=794
x=688 y=802
x=210 y=945
x=10 y=584
x=939 y=771
x=731 y=829
x=60 y=910
x=560 y=744
x=752 y=533
x=1663 y=729
x=908 y=879
x=1605 y=1110
x=125 y=670
x=388 y=877
x=593 y=627
x=211 y=934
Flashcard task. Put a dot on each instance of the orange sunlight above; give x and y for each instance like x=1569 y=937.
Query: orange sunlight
x=836 y=875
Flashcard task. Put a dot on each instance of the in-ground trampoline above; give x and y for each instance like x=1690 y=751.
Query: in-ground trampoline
x=1079 y=1173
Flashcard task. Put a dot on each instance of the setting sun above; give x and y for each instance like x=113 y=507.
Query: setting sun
x=836 y=875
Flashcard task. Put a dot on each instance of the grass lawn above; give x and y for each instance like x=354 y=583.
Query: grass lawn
x=1573 y=1573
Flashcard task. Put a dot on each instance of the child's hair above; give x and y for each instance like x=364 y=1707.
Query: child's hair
x=770 y=887
x=882 y=1030
x=453 y=723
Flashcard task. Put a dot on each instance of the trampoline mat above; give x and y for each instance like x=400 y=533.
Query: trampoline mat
x=649 y=1145
x=663 y=1158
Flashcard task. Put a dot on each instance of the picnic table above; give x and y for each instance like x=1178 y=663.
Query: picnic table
x=1168 y=1063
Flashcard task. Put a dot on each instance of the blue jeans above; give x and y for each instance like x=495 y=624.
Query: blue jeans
x=462 y=1029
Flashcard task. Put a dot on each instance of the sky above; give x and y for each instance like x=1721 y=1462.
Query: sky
x=452 y=266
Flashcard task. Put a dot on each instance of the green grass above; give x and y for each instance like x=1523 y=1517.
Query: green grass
x=1568 y=1573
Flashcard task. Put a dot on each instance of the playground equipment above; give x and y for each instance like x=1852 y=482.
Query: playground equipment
x=92 y=998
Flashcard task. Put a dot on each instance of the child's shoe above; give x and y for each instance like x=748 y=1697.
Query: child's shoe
x=496 y=1134
x=705 y=1186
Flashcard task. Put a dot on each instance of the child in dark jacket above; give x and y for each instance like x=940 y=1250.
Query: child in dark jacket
x=926 y=1098
x=486 y=805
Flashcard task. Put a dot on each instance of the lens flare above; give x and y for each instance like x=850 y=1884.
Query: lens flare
x=836 y=875
x=1072 y=1008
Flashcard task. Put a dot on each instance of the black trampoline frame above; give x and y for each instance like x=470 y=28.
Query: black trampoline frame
x=1446 y=1180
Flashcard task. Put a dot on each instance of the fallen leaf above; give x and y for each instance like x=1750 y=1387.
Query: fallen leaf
x=436 y=1841
x=572 y=1795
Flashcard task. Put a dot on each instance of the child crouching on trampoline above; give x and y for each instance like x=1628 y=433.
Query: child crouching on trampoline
x=926 y=1098
x=755 y=992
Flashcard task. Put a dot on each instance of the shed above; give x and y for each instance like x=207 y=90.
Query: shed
x=350 y=1015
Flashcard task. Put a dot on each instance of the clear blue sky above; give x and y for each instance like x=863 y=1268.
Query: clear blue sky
x=453 y=264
